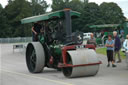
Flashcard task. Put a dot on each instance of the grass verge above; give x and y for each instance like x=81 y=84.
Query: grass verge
x=103 y=51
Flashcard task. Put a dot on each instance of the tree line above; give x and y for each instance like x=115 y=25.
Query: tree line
x=91 y=14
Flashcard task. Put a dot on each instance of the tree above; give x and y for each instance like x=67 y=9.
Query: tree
x=57 y=5
x=39 y=6
x=1 y=8
x=111 y=13
x=90 y=15
x=10 y=1
x=3 y=24
x=15 y=11
x=75 y=5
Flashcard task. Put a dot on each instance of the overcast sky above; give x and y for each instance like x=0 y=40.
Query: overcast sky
x=122 y=3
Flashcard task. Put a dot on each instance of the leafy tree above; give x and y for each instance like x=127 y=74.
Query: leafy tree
x=15 y=11
x=90 y=15
x=75 y=5
x=112 y=13
x=3 y=23
x=10 y=1
x=1 y=8
x=39 y=6
x=57 y=5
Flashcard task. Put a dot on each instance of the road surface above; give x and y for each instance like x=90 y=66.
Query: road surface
x=13 y=71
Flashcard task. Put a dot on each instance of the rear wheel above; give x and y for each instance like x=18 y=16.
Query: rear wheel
x=35 y=57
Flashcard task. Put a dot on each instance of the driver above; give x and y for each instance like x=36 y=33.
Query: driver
x=36 y=30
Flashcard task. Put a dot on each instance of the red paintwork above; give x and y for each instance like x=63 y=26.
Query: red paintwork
x=64 y=52
x=51 y=60
x=91 y=46
x=70 y=65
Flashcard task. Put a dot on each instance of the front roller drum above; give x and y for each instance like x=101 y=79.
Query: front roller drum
x=35 y=57
x=81 y=57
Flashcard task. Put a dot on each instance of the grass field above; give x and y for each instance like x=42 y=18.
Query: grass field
x=103 y=51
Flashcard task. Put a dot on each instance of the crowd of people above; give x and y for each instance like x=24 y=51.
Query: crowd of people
x=113 y=45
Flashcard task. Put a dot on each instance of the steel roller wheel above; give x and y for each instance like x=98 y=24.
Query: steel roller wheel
x=79 y=57
x=35 y=57
x=67 y=71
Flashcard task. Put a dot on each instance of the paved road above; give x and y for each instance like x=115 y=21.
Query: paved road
x=13 y=71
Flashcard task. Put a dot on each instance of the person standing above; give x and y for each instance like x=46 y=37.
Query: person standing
x=125 y=45
x=36 y=30
x=117 y=47
x=122 y=40
x=110 y=47
x=92 y=40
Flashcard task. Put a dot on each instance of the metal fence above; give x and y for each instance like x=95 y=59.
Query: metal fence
x=15 y=40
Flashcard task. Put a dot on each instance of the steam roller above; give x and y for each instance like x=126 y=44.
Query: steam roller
x=60 y=48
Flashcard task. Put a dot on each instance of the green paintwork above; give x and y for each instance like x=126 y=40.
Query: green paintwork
x=41 y=38
x=125 y=29
x=98 y=41
x=48 y=16
x=108 y=33
x=104 y=26
x=58 y=51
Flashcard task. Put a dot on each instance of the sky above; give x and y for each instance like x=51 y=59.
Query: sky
x=122 y=3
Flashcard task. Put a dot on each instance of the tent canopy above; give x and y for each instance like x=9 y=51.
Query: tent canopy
x=105 y=26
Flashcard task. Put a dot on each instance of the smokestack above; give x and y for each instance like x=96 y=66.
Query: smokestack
x=68 y=23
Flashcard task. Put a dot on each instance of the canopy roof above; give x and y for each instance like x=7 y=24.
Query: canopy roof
x=105 y=26
x=49 y=16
